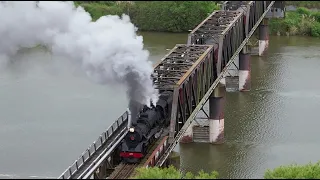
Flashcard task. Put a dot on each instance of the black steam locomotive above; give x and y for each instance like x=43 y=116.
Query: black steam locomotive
x=148 y=127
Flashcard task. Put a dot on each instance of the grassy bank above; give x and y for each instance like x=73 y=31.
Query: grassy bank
x=300 y=22
x=161 y=16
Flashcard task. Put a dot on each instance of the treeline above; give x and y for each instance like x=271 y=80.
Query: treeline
x=182 y=16
x=161 y=16
x=293 y=171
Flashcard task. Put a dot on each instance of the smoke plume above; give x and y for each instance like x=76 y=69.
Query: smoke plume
x=108 y=49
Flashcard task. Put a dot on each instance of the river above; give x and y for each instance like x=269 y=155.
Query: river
x=51 y=112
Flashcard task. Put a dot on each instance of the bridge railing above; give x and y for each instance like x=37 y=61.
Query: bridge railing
x=157 y=153
x=96 y=145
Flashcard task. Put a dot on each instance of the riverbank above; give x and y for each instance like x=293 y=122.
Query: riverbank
x=174 y=16
x=300 y=22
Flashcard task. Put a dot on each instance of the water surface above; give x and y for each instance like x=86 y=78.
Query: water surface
x=51 y=112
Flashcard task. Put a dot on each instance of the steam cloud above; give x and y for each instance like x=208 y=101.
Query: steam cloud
x=108 y=50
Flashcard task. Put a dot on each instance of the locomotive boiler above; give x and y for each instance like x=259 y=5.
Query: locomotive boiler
x=147 y=128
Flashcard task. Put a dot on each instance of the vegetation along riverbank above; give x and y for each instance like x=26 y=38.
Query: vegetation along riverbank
x=300 y=22
x=292 y=171
x=161 y=16
x=181 y=16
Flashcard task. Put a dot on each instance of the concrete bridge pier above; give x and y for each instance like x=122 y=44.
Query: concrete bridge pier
x=216 y=114
x=188 y=135
x=209 y=129
x=232 y=76
x=263 y=36
x=244 y=70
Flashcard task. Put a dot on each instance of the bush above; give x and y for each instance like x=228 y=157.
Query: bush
x=303 y=10
x=316 y=16
x=171 y=173
x=315 y=30
x=309 y=171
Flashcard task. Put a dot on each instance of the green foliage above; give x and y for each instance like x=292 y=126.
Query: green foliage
x=97 y=10
x=303 y=10
x=171 y=173
x=307 y=4
x=300 y=22
x=294 y=171
x=166 y=16
x=316 y=16
x=172 y=16
x=315 y=30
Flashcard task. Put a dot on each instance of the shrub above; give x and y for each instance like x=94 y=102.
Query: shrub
x=303 y=10
x=316 y=15
x=171 y=173
x=315 y=30
x=294 y=171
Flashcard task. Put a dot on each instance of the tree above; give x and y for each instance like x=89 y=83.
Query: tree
x=171 y=173
x=294 y=171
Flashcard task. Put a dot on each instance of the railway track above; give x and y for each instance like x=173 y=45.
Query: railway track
x=123 y=171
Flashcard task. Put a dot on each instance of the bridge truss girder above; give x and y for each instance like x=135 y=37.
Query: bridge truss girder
x=188 y=71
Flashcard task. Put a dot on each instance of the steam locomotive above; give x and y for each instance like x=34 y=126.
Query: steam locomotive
x=147 y=129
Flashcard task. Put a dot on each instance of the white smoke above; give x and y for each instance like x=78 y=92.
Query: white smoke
x=109 y=49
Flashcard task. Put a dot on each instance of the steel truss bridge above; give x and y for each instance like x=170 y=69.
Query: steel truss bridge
x=192 y=71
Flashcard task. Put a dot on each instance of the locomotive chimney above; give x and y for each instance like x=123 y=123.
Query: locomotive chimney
x=135 y=109
x=129 y=118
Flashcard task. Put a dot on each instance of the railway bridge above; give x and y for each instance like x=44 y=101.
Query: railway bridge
x=216 y=56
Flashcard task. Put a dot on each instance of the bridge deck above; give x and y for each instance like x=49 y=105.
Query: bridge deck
x=118 y=134
x=105 y=143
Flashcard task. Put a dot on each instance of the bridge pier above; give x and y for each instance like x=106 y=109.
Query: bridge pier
x=263 y=36
x=244 y=70
x=211 y=128
x=232 y=76
x=188 y=135
x=216 y=114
